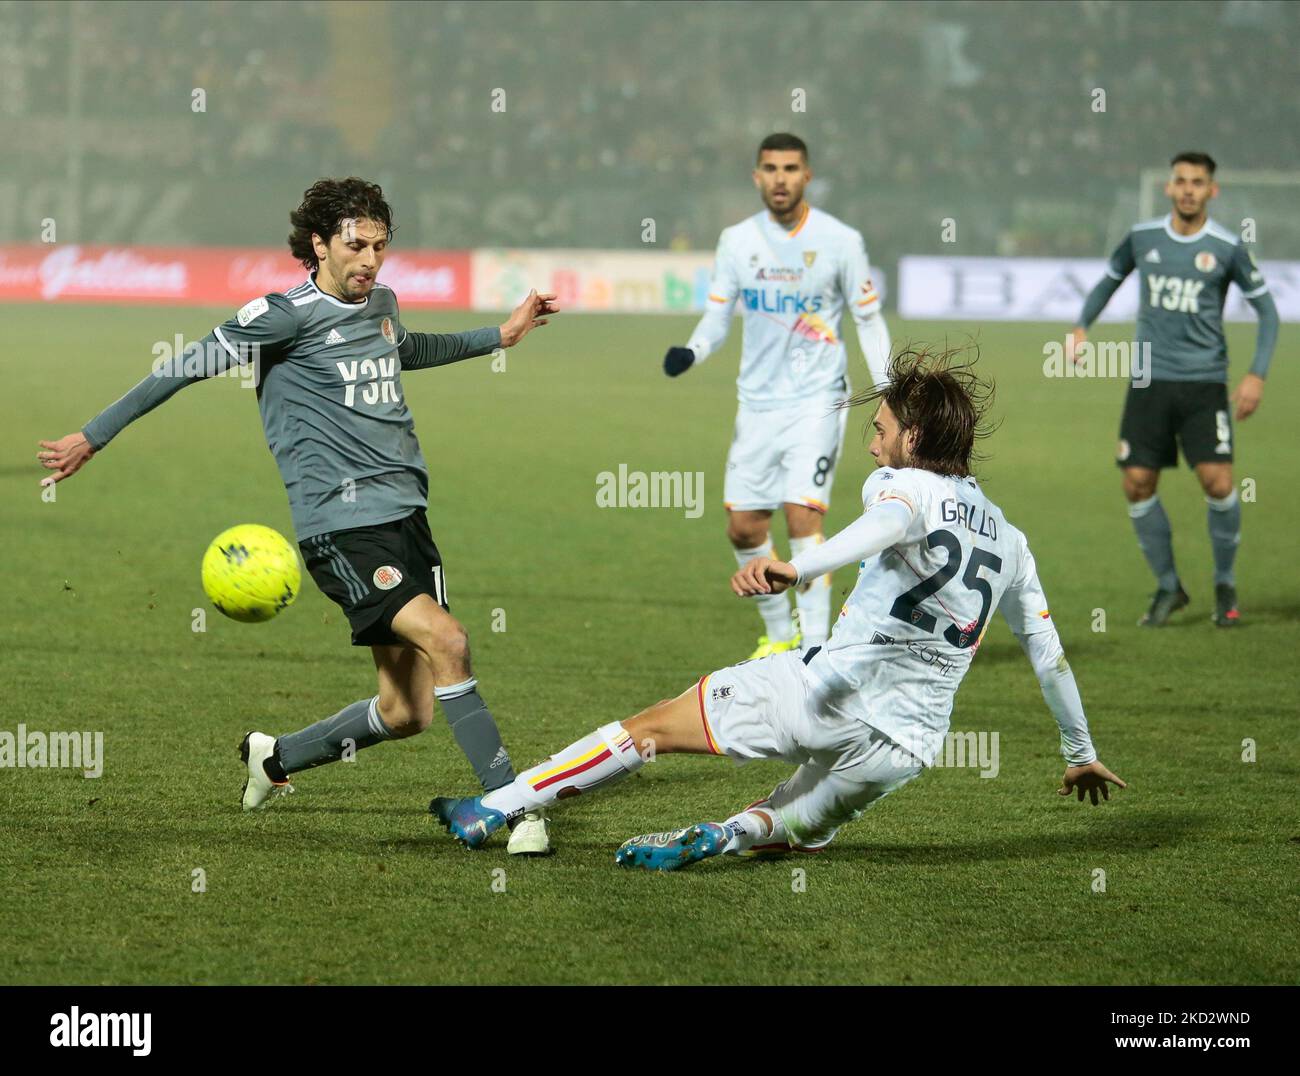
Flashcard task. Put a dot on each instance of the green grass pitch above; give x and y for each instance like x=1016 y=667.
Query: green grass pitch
x=954 y=879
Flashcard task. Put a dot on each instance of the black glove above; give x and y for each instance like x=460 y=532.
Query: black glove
x=678 y=360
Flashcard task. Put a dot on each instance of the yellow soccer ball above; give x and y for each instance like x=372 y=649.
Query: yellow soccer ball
x=251 y=572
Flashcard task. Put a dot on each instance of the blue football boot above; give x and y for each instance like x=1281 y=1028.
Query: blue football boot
x=466 y=819
x=672 y=851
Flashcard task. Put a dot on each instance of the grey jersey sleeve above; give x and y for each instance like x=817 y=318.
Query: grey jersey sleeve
x=1119 y=266
x=418 y=351
x=258 y=332
x=1247 y=276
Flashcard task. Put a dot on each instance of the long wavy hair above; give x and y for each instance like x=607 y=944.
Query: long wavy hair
x=937 y=393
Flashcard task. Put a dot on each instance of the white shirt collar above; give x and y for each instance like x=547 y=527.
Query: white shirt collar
x=337 y=302
x=1169 y=230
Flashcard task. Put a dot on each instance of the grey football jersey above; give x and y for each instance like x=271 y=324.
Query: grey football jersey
x=1184 y=282
x=329 y=389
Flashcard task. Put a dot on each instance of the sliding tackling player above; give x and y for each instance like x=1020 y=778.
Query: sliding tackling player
x=865 y=713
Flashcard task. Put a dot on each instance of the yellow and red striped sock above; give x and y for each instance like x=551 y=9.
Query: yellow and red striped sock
x=598 y=758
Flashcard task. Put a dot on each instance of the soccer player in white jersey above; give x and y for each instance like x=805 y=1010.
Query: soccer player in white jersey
x=865 y=713
x=794 y=270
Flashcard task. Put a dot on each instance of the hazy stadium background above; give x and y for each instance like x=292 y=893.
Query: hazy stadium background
x=622 y=111
x=915 y=112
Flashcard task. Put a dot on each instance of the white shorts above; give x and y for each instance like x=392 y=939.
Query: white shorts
x=785 y=456
x=763 y=709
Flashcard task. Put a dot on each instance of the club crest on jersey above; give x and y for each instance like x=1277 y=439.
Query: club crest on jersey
x=386 y=327
x=809 y=256
x=1205 y=261
x=387 y=577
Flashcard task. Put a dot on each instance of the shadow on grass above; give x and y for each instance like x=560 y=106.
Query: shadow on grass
x=1123 y=834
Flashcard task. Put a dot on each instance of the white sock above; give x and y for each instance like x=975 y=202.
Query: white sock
x=598 y=758
x=773 y=608
x=813 y=599
x=760 y=825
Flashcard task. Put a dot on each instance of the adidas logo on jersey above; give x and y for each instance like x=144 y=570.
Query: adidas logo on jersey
x=1152 y=256
x=335 y=337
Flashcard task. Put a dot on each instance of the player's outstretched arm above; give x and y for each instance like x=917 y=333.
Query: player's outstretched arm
x=248 y=341
x=420 y=351
x=712 y=329
x=533 y=312
x=883 y=524
x=1024 y=606
x=1085 y=773
x=1119 y=266
x=65 y=457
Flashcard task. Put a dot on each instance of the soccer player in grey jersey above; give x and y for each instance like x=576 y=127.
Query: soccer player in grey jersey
x=329 y=357
x=1185 y=262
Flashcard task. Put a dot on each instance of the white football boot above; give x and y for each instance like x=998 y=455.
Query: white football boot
x=530 y=836
x=255 y=749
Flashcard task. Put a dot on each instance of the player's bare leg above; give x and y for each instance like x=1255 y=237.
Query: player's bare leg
x=750 y=535
x=405 y=690
x=1156 y=541
x=672 y=726
x=1223 y=511
x=442 y=646
x=813 y=598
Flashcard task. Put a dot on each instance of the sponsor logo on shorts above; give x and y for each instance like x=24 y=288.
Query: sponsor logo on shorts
x=387 y=577
x=724 y=692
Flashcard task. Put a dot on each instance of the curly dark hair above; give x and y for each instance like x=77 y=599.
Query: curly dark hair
x=937 y=393
x=326 y=204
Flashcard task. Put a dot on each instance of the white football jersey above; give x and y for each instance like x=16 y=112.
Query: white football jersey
x=912 y=624
x=793 y=287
